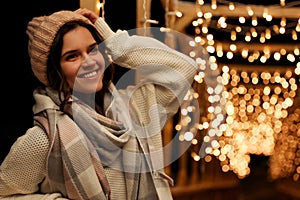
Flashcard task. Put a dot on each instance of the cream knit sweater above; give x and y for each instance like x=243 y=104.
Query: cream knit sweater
x=166 y=77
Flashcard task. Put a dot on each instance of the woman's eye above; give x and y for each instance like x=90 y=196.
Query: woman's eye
x=71 y=57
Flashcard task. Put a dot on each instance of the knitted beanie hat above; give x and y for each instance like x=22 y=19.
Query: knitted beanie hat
x=41 y=32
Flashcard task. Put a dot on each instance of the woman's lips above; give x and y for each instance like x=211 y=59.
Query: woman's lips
x=89 y=75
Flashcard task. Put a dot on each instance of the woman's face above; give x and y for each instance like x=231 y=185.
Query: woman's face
x=81 y=61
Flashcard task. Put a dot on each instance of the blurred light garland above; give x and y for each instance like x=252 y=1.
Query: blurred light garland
x=246 y=112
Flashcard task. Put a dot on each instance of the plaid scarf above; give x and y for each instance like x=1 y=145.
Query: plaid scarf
x=83 y=176
x=83 y=142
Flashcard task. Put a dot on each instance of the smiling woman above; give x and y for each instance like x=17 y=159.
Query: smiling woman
x=91 y=140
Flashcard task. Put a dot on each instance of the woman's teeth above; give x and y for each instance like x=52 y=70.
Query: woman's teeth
x=88 y=75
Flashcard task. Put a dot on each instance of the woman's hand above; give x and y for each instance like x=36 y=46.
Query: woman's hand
x=88 y=14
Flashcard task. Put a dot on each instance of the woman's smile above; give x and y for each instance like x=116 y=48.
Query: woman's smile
x=90 y=75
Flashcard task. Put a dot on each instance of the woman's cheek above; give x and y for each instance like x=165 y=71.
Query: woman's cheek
x=70 y=71
x=100 y=60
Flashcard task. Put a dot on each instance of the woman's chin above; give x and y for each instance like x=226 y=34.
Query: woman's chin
x=88 y=88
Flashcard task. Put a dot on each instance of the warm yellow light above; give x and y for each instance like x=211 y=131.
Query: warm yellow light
x=254 y=80
x=248 y=37
x=232 y=47
x=263 y=59
x=251 y=59
x=214 y=4
x=225 y=69
x=233 y=35
x=282 y=30
x=231 y=6
x=220 y=53
x=196 y=157
x=262 y=38
x=98 y=5
x=277 y=56
x=179 y=14
x=200 y=21
x=253 y=32
x=297 y=71
x=229 y=55
x=199 y=14
x=188 y=136
x=209 y=37
x=204 y=29
x=291 y=57
x=208 y=15
x=298 y=28
x=282 y=52
x=283 y=21
x=210 y=49
x=254 y=21
x=268 y=34
x=200 y=2
x=238 y=29
x=276 y=29
x=197 y=39
x=242 y=20
x=195 y=23
x=269 y=18
x=245 y=53
x=294 y=35
x=250 y=11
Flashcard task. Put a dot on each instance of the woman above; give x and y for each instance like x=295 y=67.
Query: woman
x=91 y=140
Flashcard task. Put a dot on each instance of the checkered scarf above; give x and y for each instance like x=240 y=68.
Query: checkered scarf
x=82 y=142
x=83 y=176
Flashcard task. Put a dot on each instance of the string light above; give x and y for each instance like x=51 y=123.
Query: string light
x=231 y=6
x=146 y=20
x=245 y=113
x=255 y=114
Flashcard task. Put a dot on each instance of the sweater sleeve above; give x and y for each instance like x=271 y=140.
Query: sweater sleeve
x=25 y=166
x=169 y=72
x=136 y=51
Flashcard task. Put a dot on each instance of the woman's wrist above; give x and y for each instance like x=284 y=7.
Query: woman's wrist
x=103 y=28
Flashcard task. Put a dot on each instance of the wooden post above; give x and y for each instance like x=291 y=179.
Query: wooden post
x=90 y=4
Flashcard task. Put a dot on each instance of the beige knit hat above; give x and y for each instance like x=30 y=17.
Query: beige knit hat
x=41 y=32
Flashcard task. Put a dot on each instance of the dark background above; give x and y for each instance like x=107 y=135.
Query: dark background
x=17 y=80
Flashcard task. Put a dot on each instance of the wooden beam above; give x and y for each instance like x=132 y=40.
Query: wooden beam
x=90 y=4
x=190 y=9
x=242 y=10
x=258 y=46
x=258 y=68
x=170 y=12
x=142 y=10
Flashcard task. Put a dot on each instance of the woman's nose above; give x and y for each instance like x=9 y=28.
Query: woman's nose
x=87 y=61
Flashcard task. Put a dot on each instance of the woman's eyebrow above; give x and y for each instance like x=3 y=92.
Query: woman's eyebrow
x=68 y=52
x=73 y=51
x=94 y=44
